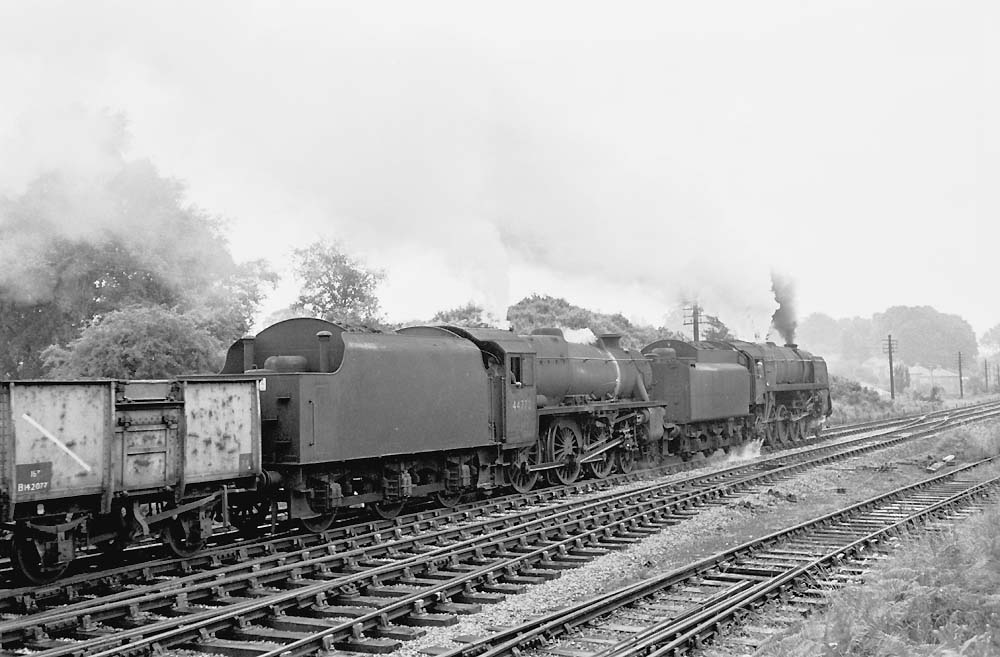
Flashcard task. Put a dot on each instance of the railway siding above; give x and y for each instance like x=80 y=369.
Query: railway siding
x=361 y=599
x=687 y=607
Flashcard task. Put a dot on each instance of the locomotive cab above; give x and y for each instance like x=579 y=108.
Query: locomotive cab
x=511 y=363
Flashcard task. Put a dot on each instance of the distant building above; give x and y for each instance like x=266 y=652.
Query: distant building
x=922 y=379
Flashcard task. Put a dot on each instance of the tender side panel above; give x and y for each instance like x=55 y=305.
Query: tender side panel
x=60 y=434
x=393 y=394
x=222 y=439
x=696 y=392
x=719 y=391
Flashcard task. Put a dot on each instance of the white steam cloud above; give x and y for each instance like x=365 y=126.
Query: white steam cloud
x=627 y=161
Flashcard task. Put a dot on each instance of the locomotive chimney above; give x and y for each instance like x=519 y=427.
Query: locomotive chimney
x=791 y=345
x=324 y=350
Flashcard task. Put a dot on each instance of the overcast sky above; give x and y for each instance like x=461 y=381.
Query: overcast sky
x=622 y=155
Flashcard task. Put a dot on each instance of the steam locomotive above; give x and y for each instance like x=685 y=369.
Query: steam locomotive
x=316 y=419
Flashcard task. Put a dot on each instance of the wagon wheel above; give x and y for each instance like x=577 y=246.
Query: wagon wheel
x=26 y=561
x=247 y=513
x=564 y=443
x=520 y=478
x=387 y=510
x=182 y=534
x=625 y=460
x=448 y=499
x=319 y=524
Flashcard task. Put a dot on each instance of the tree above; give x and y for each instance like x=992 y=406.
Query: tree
x=991 y=339
x=470 y=315
x=820 y=333
x=227 y=309
x=926 y=336
x=901 y=376
x=539 y=311
x=137 y=342
x=714 y=329
x=77 y=245
x=335 y=285
x=859 y=339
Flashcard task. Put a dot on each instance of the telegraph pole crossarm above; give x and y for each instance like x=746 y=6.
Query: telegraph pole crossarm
x=694 y=320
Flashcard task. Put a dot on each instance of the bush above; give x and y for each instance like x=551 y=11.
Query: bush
x=939 y=597
x=853 y=402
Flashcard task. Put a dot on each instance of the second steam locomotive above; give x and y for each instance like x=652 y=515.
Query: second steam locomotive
x=315 y=418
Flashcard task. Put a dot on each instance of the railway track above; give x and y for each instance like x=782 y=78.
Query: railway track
x=132 y=568
x=117 y=569
x=686 y=608
x=368 y=591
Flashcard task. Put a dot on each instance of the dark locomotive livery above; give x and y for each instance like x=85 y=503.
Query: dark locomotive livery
x=310 y=418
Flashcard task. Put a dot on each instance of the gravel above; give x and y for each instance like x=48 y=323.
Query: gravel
x=715 y=528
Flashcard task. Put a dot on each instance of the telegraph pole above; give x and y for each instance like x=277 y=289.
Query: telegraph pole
x=887 y=346
x=961 y=388
x=986 y=374
x=695 y=311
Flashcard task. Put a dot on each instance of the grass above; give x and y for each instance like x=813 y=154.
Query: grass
x=853 y=403
x=937 y=596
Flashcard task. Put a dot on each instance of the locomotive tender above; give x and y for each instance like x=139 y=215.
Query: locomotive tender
x=316 y=418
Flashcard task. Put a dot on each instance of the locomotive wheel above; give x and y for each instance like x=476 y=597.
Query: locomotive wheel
x=247 y=514
x=782 y=426
x=603 y=468
x=625 y=460
x=564 y=445
x=26 y=561
x=183 y=534
x=517 y=472
x=798 y=431
x=781 y=429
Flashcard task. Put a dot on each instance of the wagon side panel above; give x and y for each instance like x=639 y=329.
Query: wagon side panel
x=222 y=430
x=60 y=437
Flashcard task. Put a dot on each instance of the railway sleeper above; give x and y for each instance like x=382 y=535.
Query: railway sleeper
x=229 y=648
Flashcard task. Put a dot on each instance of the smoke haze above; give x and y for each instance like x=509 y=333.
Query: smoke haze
x=784 y=320
x=86 y=195
x=623 y=160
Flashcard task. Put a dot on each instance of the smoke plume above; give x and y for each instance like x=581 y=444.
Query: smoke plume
x=784 y=319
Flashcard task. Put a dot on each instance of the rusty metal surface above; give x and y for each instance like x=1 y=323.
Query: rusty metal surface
x=6 y=452
x=147 y=454
x=222 y=430
x=393 y=394
x=60 y=432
